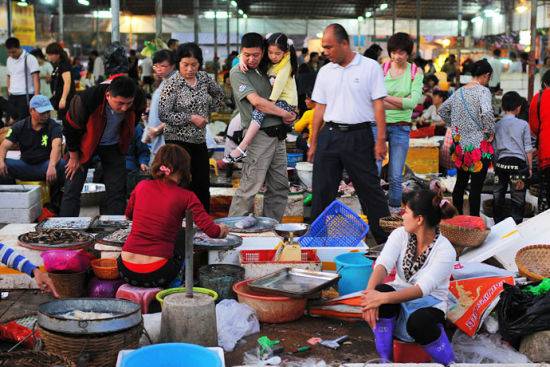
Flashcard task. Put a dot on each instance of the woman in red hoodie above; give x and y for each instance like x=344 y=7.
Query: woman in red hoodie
x=539 y=120
x=157 y=207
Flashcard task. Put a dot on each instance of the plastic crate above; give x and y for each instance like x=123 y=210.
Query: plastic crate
x=337 y=226
x=293 y=158
x=257 y=263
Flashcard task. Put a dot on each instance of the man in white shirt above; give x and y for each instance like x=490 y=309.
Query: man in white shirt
x=98 y=68
x=496 y=64
x=23 y=79
x=349 y=94
x=146 y=72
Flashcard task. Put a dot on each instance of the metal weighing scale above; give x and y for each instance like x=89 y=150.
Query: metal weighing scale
x=287 y=249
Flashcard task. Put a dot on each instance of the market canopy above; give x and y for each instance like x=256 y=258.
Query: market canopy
x=313 y=9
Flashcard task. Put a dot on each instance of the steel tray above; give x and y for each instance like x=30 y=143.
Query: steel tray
x=264 y=224
x=297 y=283
x=203 y=242
x=74 y=223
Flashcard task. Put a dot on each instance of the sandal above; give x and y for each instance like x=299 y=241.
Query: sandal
x=230 y=159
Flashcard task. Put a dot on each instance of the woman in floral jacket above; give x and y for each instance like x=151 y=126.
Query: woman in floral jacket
x=470 y=113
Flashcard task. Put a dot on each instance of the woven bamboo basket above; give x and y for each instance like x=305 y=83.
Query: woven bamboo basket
x=31 y=358
x=388 y=224
x=534 y=261
x=97 y=350
x=463 y=238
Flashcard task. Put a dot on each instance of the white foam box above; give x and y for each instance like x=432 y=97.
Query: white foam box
x=325 y=254
x=19 y=196
x=13 y=279
x=18 y=215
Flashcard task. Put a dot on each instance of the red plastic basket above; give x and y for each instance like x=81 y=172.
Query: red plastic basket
x=266 y=256
x=423 y=132
x=409 y=353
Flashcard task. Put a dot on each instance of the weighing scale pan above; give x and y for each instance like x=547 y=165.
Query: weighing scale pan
x=296 y=283
x=288 y=230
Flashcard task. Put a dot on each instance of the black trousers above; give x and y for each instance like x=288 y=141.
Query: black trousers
x=114 y=176
x=544 y=190
x=505 y=178
x=422 y=323
x=18 y=107
x=476 y=185
x=354 y=152
x=200 y=170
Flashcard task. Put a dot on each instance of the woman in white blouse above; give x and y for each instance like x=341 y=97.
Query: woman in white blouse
x=413 y=306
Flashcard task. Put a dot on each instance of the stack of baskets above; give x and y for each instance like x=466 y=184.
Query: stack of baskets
x=388 y=224
x=463 y=237
x=534 y=262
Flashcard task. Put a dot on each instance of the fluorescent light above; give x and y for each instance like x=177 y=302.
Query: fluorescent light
x=489 y=13
x=241 y=12
x=102 y=14
x=368 y=14
x=477 y=19
x=360 y=18
x=84 y=2
x=22 y=3
x=234 y=3
x=521 y=8
x=47 y=2
x=245 y=16
x=383 y=6
x=219 y=14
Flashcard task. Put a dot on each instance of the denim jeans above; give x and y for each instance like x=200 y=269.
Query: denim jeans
x=398 y=139
x=20 y=170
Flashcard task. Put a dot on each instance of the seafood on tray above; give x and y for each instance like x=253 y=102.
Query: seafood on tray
x=246 y=222
x=118 y=235
x=54 y=236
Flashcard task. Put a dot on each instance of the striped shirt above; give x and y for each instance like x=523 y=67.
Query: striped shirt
x=13 y=260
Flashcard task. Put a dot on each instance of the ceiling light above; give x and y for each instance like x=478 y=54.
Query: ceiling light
x=383 y=6
x=219 y=14
x=245 y=16
x=521 y=8
x=489 y=13
x=22 y=3
x=241 y=12
x=49 y=2
x=84 y=2
x=234 y=3
x=368 y=14
x=477 y=19
x=360 y=18
x=102 y=14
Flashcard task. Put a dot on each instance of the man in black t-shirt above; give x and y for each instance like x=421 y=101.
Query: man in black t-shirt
x=39 y=139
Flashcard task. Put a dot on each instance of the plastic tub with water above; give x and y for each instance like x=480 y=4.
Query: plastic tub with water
x=172 y=355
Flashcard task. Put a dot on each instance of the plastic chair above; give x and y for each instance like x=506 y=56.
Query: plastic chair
x=214 y=165
x=141 y=296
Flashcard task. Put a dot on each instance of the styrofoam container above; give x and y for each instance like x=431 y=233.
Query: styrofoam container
x=19 y=197
x=325 y=254
x=21 y=215
x=305 y=173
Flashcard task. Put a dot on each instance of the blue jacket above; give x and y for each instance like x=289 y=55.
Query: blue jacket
x=138 y=152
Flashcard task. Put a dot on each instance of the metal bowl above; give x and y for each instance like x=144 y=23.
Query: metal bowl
x=126 y=315
x=287 y=230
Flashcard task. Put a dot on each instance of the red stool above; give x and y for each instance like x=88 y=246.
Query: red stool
x=141 y=296
x=409 y=353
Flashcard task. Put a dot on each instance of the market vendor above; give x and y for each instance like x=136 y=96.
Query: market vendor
x=39 y=139
x=413 y=307
x=15 y=261
x=157 y=207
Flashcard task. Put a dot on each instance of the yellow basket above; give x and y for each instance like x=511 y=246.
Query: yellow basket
x=423 y=159
x=44 y=189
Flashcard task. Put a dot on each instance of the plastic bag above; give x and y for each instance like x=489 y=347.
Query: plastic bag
x=484 y=348
x=477 y=270
x=101 y=288
x=521 y=313
x=20 y=331
x=151 y=328
x=66 y=260
x=234 y=322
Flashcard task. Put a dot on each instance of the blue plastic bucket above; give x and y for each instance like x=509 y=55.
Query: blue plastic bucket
x=172 y=355
x=293 y=158
x=355 y=270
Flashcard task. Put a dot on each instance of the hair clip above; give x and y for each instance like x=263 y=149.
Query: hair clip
x=443 y=202
x=165 y=170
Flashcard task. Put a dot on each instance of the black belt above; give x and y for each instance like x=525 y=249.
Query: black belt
x=348 y=127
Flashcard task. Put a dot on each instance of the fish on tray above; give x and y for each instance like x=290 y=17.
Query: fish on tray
x=246 y=222
x=203 y=238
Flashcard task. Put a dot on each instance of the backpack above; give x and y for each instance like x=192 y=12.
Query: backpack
x=386 y=68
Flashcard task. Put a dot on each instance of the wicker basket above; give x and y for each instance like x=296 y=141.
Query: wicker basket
x=100 y=350
x=534 y=261
x=462 y=238
x=69 y=285
x=31 y=358
x=388 y=224
x=105 y=269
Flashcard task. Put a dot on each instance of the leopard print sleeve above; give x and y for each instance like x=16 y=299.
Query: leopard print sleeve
x=169 y=113
x=216 y=92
